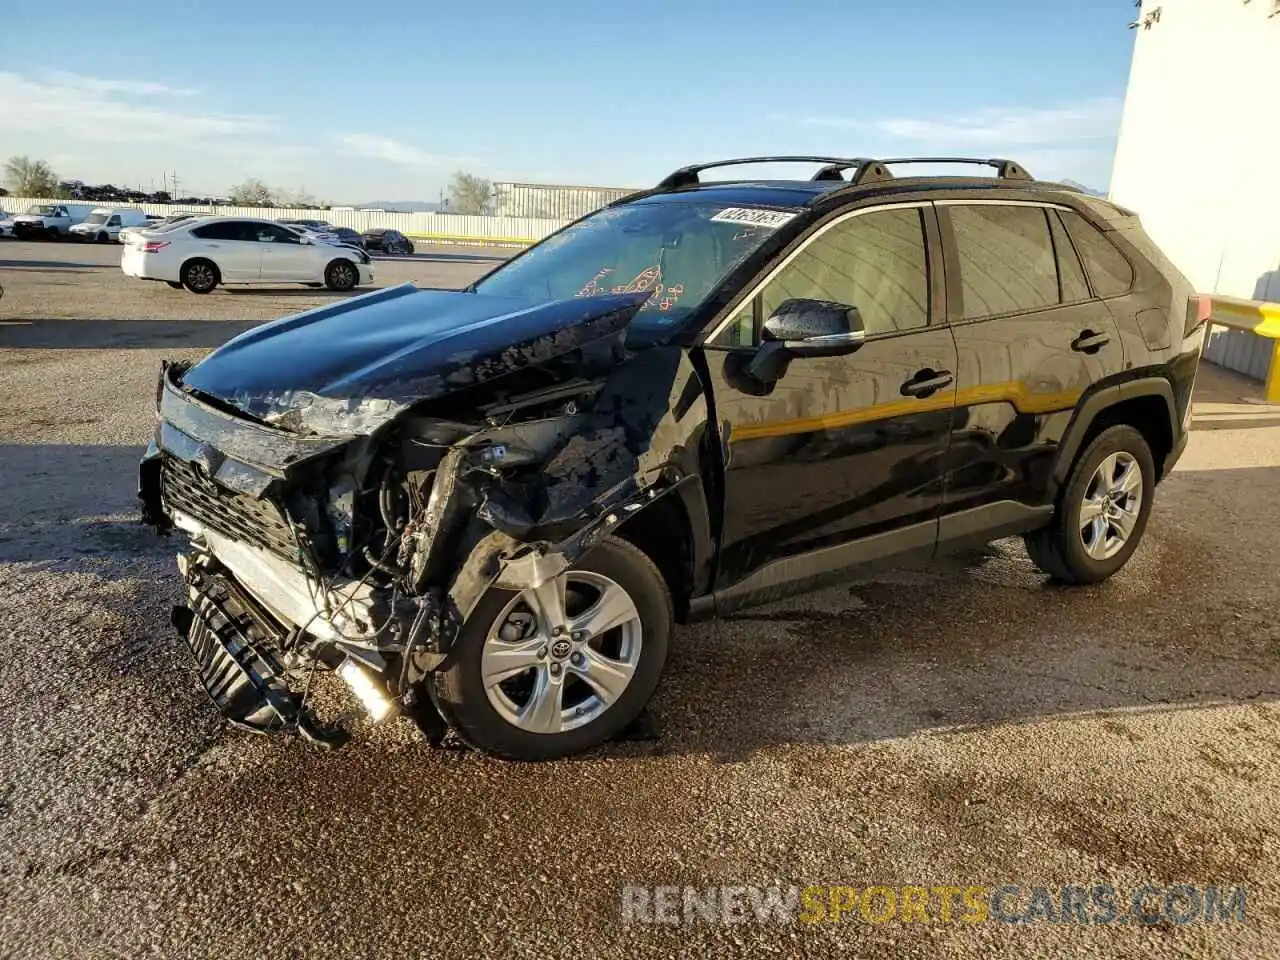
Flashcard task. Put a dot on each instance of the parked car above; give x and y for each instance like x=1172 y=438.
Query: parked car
x=346 y=235
x=105 y=224
x=314 y=234
x=159 y=224
x=50 y=221
x=204 y=252
x=6 y=224
x=317 y=226
x=386 y=240
x=484 y=508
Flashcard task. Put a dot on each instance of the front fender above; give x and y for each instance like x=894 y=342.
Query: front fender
x=639 y=443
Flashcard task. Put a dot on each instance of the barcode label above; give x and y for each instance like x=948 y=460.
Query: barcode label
x=769 y=219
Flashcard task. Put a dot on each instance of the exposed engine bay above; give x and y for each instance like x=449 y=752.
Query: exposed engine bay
x=311 y=550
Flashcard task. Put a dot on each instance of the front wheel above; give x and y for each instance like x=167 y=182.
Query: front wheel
x=341 y=275
x=103 y=237
x=1103 y=510
x=555 y=670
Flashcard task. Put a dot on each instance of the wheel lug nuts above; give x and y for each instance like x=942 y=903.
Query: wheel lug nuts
x=542 y=653
x=578 y=635
x=577 y=659
x=555 y=669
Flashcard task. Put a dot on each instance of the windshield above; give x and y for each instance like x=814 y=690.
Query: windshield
x=96 y=218
x=679 y=251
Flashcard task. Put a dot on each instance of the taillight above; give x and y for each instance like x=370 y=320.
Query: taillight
x=154 y=246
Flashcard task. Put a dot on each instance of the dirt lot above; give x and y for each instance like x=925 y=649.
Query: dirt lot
x=964 y=725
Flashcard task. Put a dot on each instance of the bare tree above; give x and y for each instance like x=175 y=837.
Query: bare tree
x=31 y=178
x=297 y=198
x=252 y=193
x=469 y=194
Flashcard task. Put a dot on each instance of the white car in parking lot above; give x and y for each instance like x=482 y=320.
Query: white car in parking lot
x=211 y=250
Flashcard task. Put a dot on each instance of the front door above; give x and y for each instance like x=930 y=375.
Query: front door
x=845 y=454
x=1032 y=339
x=284 y=256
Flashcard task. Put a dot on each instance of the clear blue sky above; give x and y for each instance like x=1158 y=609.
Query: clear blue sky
x=384 y=99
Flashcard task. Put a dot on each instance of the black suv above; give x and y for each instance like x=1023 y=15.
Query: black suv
x=485 y=508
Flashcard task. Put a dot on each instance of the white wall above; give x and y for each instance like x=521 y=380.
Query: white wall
x=438 y=226
x=1199 y=149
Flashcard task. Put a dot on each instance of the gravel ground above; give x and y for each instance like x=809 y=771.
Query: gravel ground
x=966 y=724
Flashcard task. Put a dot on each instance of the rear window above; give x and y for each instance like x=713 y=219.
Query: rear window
x=1007 y=262
x=1110 y=273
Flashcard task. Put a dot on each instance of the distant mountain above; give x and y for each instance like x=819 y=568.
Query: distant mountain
x=1083 y=188
x=406 y=206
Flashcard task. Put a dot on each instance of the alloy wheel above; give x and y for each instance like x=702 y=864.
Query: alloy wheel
x=559 y=655
x=1111 y=507
x=200 y=276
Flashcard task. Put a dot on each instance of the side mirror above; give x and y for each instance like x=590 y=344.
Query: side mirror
x=805 y=328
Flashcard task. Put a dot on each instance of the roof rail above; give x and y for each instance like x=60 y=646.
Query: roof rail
x=688 y=176
x=865 y=170
x=1005 y=169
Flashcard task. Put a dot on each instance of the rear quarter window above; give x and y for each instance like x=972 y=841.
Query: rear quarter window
x=1110 y=273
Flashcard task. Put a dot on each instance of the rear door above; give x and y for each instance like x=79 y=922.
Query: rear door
x=1032 y=341
x=231 y=244
x=844 y=457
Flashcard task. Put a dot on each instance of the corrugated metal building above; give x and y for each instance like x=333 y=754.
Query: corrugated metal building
x=551 y=201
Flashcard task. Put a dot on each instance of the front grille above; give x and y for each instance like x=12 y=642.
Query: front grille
x=235 y=515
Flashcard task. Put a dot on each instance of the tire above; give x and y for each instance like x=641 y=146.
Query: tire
x=174 y=284
x=102 y=237
x=200 y=275
x=638 y=647
x=341 y=276
x=1069 y=551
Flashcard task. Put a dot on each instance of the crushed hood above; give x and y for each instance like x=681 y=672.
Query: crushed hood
x=347 y=369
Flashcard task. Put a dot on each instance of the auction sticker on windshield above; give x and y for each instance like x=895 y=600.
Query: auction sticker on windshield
x=771 y=219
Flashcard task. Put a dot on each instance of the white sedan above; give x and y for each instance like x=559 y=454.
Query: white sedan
x=204 y=253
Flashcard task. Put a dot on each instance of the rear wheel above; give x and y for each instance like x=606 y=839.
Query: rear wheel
x=341 y=275
x=555 y=670
x=1103 y=510
x=199 y=276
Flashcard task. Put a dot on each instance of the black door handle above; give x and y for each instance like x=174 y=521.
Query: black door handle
x=1090 y=342
x=927 y=382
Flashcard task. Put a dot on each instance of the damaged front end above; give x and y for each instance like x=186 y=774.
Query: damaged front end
x=355 y=532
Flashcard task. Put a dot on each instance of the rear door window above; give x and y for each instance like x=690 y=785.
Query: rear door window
x=1006 y=256
x=1110 y=274
x=225 y=230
